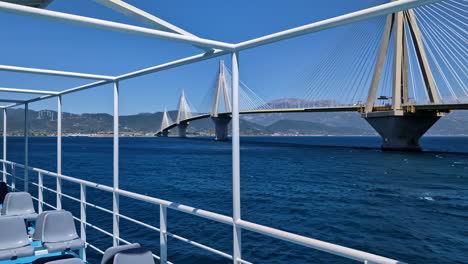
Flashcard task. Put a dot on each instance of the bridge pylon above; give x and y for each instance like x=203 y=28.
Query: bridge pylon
x=165 y=123
x=183 y=113
x=401 y=129
x=221 y=120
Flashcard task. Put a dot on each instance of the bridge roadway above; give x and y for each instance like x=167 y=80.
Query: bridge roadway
x=356 y=108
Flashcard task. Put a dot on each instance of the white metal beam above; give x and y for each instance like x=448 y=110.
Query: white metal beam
x=12 y=101
x=116 y=203
x=16 y=90
x=108 y=25
x=291 y=33
x=236 y=193
x=144 y=17
x=54 y=73
x=5 y=116
x=26 y=148
x=59 y=153
x=173 y=64
x=354 y=17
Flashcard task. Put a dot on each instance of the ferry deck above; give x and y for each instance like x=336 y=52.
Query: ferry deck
x=35 y=231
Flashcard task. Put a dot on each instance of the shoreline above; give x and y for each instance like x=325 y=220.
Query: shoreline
x=193 y=136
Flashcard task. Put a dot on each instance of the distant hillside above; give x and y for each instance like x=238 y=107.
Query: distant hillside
x=44 y=123
x=297 y=127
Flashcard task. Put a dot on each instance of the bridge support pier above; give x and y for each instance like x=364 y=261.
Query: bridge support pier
x=402 y=130
x=165 y=133
x=182 y=126
x=221 y=126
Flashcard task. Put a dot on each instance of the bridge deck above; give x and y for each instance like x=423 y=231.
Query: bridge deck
x=354 y=108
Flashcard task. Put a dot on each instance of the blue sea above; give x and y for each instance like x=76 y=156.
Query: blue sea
x=412 y=207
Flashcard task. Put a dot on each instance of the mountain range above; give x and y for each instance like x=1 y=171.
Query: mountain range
x=342 y=123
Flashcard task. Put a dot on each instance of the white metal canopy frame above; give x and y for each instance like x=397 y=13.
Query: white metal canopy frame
x=166 y=31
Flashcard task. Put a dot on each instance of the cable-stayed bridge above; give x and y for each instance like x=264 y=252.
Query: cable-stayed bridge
x=402 y=73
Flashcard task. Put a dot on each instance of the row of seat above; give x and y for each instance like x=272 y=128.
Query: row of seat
x=127 y=254
x=54 y=229
x=56 y=232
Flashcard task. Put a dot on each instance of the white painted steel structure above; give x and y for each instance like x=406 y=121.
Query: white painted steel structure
x=214 y=49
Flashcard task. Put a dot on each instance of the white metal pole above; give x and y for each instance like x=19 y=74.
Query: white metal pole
x=83 y=219
x=26 y=147
x=13 y=178
x=116 y=232
x=40 y=193
x=4 y=143
x=236 y=204
x=59 y=152
x=163 y=233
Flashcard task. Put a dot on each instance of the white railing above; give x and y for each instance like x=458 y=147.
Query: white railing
x=11 y=177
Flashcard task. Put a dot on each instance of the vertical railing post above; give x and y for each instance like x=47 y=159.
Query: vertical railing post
x=237 y=241
x=59 y=152
x=13 y=177
x=116 y=231
x=4 y=143
x=163 y=234
x=26 y=147
x=40 y=191
x=83 y=219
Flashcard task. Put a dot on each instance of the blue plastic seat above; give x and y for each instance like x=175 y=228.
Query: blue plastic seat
x=57 y=231
x=127 y=254
x=19 y=204
x=14 y=241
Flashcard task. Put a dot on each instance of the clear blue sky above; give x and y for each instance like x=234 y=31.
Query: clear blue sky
x=267 y=70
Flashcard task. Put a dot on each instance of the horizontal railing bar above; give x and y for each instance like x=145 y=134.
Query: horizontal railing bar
x=7 y=173
x=316 y=244
x=96 y=227
x=179 y=207
x=75 y=199
x=243 y=261
x=268 y=231
x=19 y=178
x=95 y=248
x=109 y=25
x=44 y=203
x=142 y=224
x=139 y=222
x=186 y=240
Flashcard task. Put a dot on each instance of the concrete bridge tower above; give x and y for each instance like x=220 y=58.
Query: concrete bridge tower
x=183 y=113
x=221 y=120
x=165 y=122
x=401 y=128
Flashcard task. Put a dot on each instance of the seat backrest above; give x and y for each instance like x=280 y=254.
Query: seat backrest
x=12 y=232
x=3 y=191
x=39 y=226
x=134 y=255
x=56 y=226
x=18 y=203
x=108 y=257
